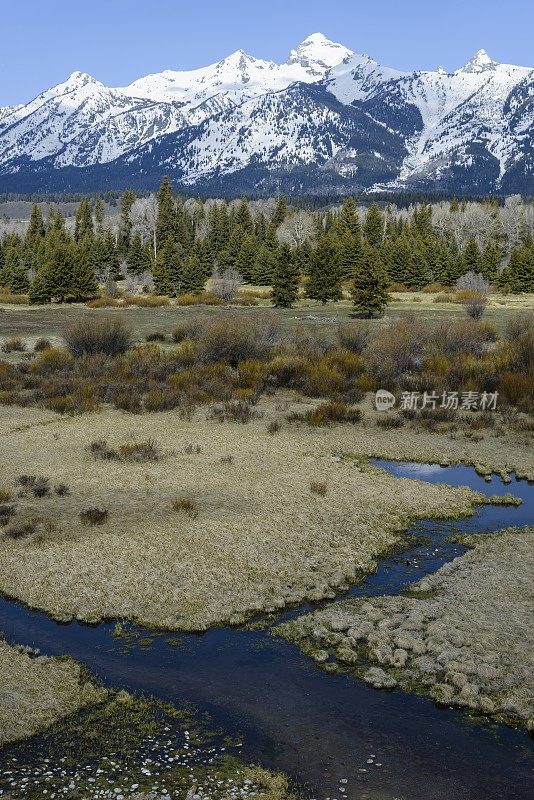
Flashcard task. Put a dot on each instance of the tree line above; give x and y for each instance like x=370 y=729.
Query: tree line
x=173 y=246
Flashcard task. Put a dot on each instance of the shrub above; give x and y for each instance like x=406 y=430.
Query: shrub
x=322 y=379
x=430 y=288
x=227 y=459
x=397 y=349
x=106 y=301
x=519 y=335
x=389 y=421
x=41 y=344
x=61 y=489
x=317 y=487
x=473 y=282
x=51 y=360
x=185 y=330
x=5 y=495
x=231 y=339
x=161 y=400
x=147 y=301
x=190 y=448
x=39 y=486
x=327 y=414
x=354 y=336
x=6 y=512
x=398 y=287
x=127 y=400
x=14 y=299
x=107 y=335
x=445 y=297
x=226 y=285
x=156 y=336
x=476 y=306
x=13 y=345
x=101 y=451
x=21 y=530
x=143 y=451
x=236 y=411
x=273 y=427
x=62 y=404
x=185 y=505
x=94 y=516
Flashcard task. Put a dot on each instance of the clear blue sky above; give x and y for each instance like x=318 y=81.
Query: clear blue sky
x=117 y=41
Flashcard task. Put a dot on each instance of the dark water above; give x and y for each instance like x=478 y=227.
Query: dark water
x=320 y=728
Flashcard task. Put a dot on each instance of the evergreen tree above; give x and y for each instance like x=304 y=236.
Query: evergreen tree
x=83 y=283
x=136 y=258
x=18 y=281
x=193 y=278
x=125 y=223
x=36 y=229
x=84 y=221
x=518 y=277
x=264 y=266
x=168 y=272
x=369 y=292
x=350 y=219
x=325 y=276
x=100 y=211
x=166 y=219
x=280 y=213
x=285 y=282
x=373 y=228
x=246 y=258
x=471 y=256
x=490 y=261
x=228 y=257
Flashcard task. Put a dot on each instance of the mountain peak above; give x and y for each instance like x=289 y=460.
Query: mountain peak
x=77 y=79
x=316 y=53
x=481 y=62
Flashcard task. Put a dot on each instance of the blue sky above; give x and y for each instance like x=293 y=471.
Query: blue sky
x=120 y=40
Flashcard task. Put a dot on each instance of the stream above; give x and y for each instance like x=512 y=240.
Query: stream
x=320 y=728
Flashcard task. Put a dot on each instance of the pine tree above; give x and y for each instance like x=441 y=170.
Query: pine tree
x=193 y=278
x=83 y=284
x=84 y=221
x=369 y=292
x=246 y=258
x=228 y=257
x=325 y=276
x=350 y=219
x=18 y=281
x=518 y=277
x=373 y=228
x=264 y=266
x=125 y=223
x=471 y=256
x=136 y=258
x=36 y=229
x=490 y=261
x=285 y=283
x=166 y=220
x=243 y=217
x=280 y=213
x=168 y=271
x=100 y=211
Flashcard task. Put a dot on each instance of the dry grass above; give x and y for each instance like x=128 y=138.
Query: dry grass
x=467 y=641
x=260 y=542
x=35 y=692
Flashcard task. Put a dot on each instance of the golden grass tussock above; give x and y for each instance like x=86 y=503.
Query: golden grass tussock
x=35 y=692
x=260 y=541
x=464 y=636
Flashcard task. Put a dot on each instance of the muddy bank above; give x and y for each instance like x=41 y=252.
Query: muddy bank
x=463 y=635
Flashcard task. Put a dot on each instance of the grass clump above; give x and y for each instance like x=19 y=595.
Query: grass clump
x=38 y=485
x=94 y=516
x=13 y=345
x=41 y=345
x=5 y=495
x=146 y=450
x=327 y=414
x=156 y=336
x=318 y=487
x=233 y=411
x=185 y=505
x=6 y=512
x=107 y=335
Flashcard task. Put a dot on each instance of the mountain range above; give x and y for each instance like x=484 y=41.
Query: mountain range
x=326 y=121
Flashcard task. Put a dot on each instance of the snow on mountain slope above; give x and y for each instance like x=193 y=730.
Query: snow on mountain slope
x=238 y=77
x=82 y=122
x=336 y=119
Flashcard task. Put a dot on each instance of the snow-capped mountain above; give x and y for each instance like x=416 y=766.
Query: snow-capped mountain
x=326 y=120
